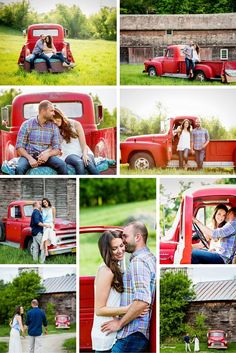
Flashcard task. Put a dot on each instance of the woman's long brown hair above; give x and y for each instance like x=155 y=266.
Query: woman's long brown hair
x=49 y=43
x=66 y=130
x=104 y=244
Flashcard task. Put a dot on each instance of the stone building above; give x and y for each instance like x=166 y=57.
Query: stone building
x=60 y=291
x=217 y=301
x=145 y=36
x=61 y=192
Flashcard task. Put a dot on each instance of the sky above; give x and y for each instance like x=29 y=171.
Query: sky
x=106 y=95
x=88 y=7
x=199 y=101
x=8 y=273
x=212 y=273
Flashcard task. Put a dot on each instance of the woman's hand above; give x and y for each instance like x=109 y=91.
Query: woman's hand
x=85 y=159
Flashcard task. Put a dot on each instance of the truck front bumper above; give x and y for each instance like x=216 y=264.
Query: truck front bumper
x=62 y=249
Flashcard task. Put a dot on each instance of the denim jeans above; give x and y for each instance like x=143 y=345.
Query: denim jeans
x=103 y=351
x=78 y=163
x=183 y=156
x=200 y=256
x=189 y=65
x=52 y=162
x=60 y=57
x=40 y=56
x=134 y=343
x=199 y=157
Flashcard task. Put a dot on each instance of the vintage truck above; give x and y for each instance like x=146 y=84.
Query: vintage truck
x=217 y=339
x=87 y=301
x=62 y=321
x=176 y=242
x=172 y=64
x=76 y=106
x=58 y=34
x=160 y=150
x=15 y=230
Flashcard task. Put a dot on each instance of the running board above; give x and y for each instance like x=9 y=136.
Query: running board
x=193 y=164
x=11 y=244
x=184 y=76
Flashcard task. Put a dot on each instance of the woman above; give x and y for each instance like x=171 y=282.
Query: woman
x=196 y=343
x=195 y=59
x=108 y=289
x=16 y=326
x=73 y=147
x=184 y=144
x=50 y=50
x=49 y=216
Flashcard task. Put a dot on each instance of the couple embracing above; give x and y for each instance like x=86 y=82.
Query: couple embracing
x=124 y=299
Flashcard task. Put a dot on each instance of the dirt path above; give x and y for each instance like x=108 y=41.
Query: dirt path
x=50 y=343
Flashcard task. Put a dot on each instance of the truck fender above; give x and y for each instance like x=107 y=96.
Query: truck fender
x=158 y=67
x=207 y=70
x=155 y=150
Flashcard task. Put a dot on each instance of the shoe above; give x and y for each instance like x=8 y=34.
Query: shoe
x=65 y=64
x=72 y=64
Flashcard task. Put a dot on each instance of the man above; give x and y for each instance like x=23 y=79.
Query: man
x=227 y=236
x=187 y=343
x=139 y=292
x=200 y=139
x=37 y=226
x=38 y=53
x=38 y=142
x=34 y=320
x=188 y=52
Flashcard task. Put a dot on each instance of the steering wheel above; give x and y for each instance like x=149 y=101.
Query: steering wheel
x=200 y=235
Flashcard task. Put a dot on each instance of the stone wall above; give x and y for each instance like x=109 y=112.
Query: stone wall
x=220 y=315
x=65 y=303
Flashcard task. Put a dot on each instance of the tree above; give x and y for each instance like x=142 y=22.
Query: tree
x=109 y=119
x=51 y=313
x=103 y=24
x=175 y=293
x=15 y=15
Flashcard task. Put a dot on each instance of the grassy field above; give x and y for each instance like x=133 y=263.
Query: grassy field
x=110 y=215
x=95 y=63
x=5 y=330
x=133 y=75
x=179 y=348
x=70 y=345
x=3 y=347
x=10 y=255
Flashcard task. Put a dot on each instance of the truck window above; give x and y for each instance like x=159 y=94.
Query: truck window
x=28 y=209
x=51 y=32
x=72 y=110
x=170 y=53
x=15 y=212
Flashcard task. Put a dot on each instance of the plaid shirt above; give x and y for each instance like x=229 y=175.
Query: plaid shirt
x=227 y=236
x=36 y=138
x=139 y=284
x=200 y=136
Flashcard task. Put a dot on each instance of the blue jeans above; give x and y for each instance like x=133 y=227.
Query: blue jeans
x=60 y=57
x=78 y=163
x=200 y=256
x=52 y=162
x=183 y=156
x=189 y=65
x=134 y=343
x=103 y=351
x=40 y=56
x=199 y=157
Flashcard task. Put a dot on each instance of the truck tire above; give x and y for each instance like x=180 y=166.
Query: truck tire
x=152 y=71
x=2 y=232
x=200 y=76
x=30 y=246
x=141 y=161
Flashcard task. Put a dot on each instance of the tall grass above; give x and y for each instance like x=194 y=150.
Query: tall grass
x=3 y=347
x=70 y=345
x=95 y=63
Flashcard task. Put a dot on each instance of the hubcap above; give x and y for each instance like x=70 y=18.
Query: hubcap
x=142 y=163
x=152 y=73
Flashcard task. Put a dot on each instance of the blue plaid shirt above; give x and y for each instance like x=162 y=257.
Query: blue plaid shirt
x=200 y=137
x=34 y=137
x=139 y=284
x=227 y=236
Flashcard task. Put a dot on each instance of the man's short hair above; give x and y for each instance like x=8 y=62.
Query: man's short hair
x=34 y=302
x=44 y=105
x=232 y=210
x=42 y=35
x=35 y=203
x=139 y=227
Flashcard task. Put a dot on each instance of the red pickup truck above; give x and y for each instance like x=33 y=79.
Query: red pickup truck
x=58 y=34
x=160 y=150
x=76 y=106
x=217 y=339
x=87 y=302
x=15 y=230
x=172 y=64
x=176 y=242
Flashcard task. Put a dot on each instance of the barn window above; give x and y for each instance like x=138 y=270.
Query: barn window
x=169 y=32
x=224 y=54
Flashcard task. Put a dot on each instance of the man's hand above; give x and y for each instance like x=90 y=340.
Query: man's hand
x=47 y=226
x=33 y=163
x=43 y=157
x=46 y=331
x=111 y=326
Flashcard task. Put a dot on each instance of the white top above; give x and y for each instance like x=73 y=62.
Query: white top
x=196 y=57
x=184 y=141
x=101 y=342
x=47 y=215
x=196 y=345
x=73 y=147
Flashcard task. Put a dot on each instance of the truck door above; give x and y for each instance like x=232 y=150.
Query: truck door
x=170 y=65
x=103 y=143
x=13 y=225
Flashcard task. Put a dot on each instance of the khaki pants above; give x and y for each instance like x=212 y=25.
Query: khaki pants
x=35 y=345
x=37 y=240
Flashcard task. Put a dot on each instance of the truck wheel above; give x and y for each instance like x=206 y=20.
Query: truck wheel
x=152 y=72
x=2 y=232
x=200 y=76
x=141 y=161
x=30 y=246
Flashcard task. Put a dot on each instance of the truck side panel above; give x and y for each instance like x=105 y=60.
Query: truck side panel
x=220 y=151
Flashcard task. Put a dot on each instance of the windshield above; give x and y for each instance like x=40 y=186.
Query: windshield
x=46 y=32
x=216 y=334
x=28 y=209
x=72 y=110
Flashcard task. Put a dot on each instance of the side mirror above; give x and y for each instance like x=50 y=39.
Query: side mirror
x=5 y=116
x=98 y=113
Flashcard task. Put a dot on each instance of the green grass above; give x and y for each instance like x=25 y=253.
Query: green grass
x=116 y=215
x=3 y=347
x=133 y=75
x=5 y=330
x=124 y=170
x=95 y=63
x=179 y=348
x=10 y=255
x=70 y=345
